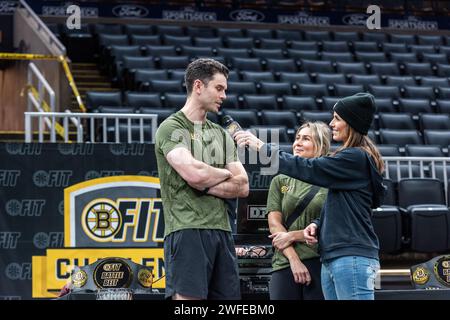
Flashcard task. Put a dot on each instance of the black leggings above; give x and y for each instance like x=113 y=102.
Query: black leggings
x=283 y=287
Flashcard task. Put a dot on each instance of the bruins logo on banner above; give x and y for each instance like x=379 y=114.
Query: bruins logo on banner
x=119 y=211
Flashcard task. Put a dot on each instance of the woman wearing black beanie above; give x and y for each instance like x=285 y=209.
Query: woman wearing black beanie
x=348 y=244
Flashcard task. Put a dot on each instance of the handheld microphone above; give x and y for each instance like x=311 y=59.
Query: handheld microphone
x=231 y=125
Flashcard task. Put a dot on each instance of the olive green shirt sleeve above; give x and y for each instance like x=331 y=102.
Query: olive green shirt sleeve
x=170 y=135
x=274 y=196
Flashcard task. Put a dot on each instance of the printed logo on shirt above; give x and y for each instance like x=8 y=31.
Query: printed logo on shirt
x=285 y=189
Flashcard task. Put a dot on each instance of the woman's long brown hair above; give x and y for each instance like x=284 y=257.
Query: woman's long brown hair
x=358 y=140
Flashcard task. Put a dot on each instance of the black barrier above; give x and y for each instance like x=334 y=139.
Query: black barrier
x=33 y=178
x=32 y=182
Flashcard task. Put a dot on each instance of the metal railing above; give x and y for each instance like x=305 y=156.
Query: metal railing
x=37 y=98
x=418 y=167
x=41 y=26
x=98 y=126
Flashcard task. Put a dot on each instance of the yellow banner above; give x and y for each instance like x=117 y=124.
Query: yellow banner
x=52 y=272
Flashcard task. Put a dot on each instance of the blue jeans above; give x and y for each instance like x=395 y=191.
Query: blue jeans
x=349 y=278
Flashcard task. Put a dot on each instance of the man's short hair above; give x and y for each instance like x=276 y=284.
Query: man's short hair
x=204 y=70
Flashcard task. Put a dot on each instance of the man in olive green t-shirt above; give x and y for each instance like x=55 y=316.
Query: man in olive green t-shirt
x=198 y=169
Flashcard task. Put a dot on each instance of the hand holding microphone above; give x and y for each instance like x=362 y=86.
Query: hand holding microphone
x=243 y=138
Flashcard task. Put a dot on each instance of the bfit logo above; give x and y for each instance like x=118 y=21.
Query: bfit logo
x=8 y=178
x=71 y=149
x=8 y=240
x=25 y=207
x=24 y=149
x=43 y=240
x=18 y=271
x=52 y=178
x=256 y=212
x=135 y=149
x=120 y=211
x=104 y=173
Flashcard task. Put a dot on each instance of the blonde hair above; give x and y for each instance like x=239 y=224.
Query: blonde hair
x=359 y=140
x=321 y=137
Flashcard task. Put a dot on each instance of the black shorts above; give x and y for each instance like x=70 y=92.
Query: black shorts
x=283 y=287
x=201 y=263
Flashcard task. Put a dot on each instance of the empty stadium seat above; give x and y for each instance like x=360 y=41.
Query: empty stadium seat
x=397 y=121
x=271 y=134
x=317 y=35
x=403 y=38
x=142 y=78
x=429 y=217
x=328 y=103
x=260 y=102
x=295 y=103
x=265 y=43
x=175 y=40
x=439 y=137
x=242 y=87
x=335 y=46
x=174 y=100
x=288 y=34
x=344 y=90
x=316 y=66
x=385 y=105
x=389 y=150
x=394 y=47
x=241 y=42
x=387 y=224
x=350 y=68
x=365 y=80
x=316 y=116
x=434 y=122
x=180 y=62
x=305 y=45
x=246 y=118
x=414 y=106
x=281 y=65
x=163 y=86
x=392 y=92
x=139 y=29
x=143 y=100
x=423 y=151
x=276 y=88
x=400 y=137
x=365 y=46
x=231 y=102
x=268 y=53
x=292 y=77
x=249 y=64
x=346 y=36
x=384 y=68
x=279 y=118
x=257 y=76
x=337 y=56
x=95 y=99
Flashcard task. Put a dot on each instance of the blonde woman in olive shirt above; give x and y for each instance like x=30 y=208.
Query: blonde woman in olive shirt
x=296 y=265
